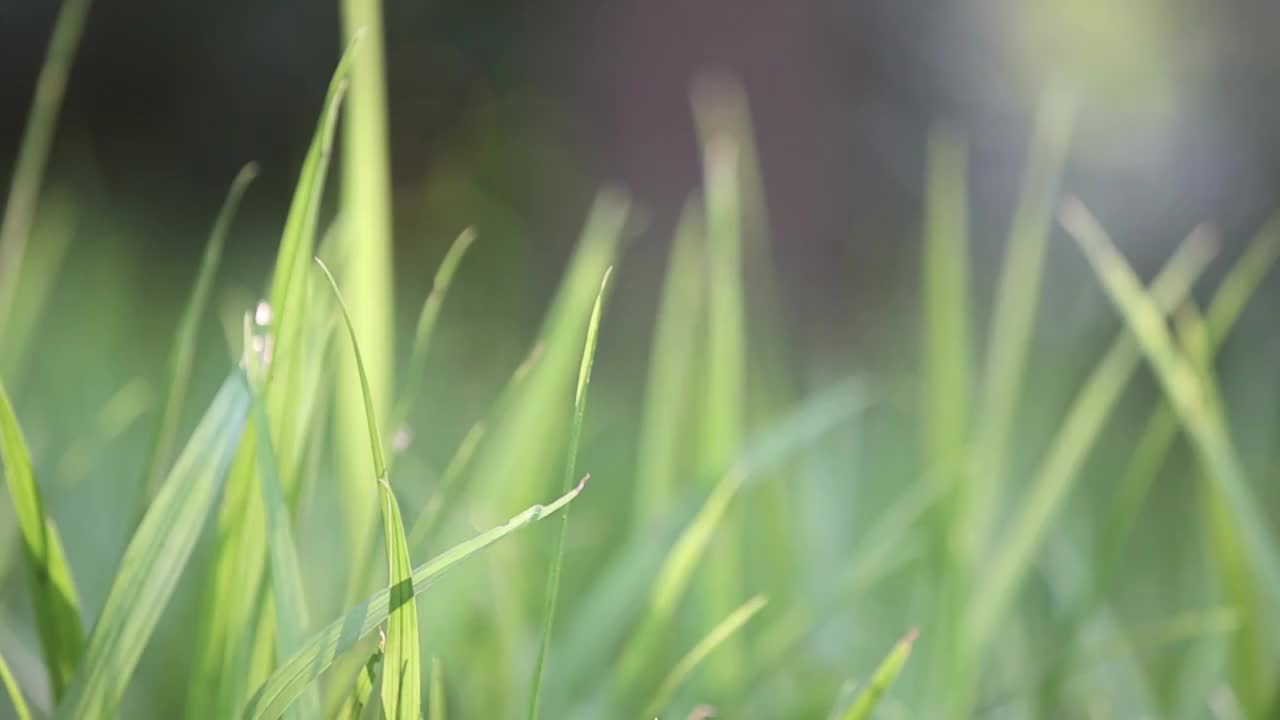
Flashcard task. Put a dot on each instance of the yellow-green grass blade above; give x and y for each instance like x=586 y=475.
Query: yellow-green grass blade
x=571 y=469
x=156 y=557
x=1161 y=428
x=436 y=709
x=34 y=149
x=714 y=639
x=426 y=326
x=227 y=635
x=292 y=677
x=1053 y=480
x=662 y=457
x=890 y=668
x=1244 y=544
x=1017 y=298
x=16 y=699
x=53 y=593
x=184 y=347
x=366 y=240
x=401 y=690
x=362 y=695
x=428 y=520
x=288 y=594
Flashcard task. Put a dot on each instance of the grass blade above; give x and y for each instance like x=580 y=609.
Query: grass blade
x=1015 y=309
x=865 y=703
x=20 y=708
x=1070 y=445
x=53 y=593
x=184 y=346
x=427 y=318
x=33 y=149
x=436 y=708
x=1245 y=545
x=571 y=463
x=402 y=661
x=727 y=627
x=156 y=556
x=292 y=677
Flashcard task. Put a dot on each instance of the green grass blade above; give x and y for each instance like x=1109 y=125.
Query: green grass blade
x=947 y=345
x=42 y=262
x=53 y=593
x=34 y=148
x=184 y=346
x=671 y=373
x=865 y=703
x=726 y=628
x=437 y=703
x=288 y=593
x=1015 y=307
x=156 y=557
x=402 y=660
x=362 y=695
x=1245 y=545
x=292 y=677
x=571 y=469
x=427 y=318
x=1057 y=473
x=19 y=703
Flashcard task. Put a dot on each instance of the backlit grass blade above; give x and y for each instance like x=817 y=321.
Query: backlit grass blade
x=666 y=424
x=437 y=702
x=33 y=150
x=156 y=557
x=1056 y=475
x=402 y=656
x=427 y=318
x=292 y=677
x=571 y=469
x=184 y=346
x=1017 y=298
x=53 y=593
x=865 y=703
x=1244 y=543
x=727 y=627
x=362 y=695
x=19 y=703
x=366 y=239
x=287 y=589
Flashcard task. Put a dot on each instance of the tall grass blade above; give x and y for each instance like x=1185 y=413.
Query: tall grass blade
x=18 y=702
x=865 y=703
x=666 y=425
x=184 y=346
x=1057 y=473
x=437 y=700
x=1244 y=544
x=156 y=557
x=571 y=469
x=292 y=677
x=53 y=593
x=1015 y=308
x=366 y=240
x=34 y=148
x=402 y=656
x=726 y=628
x=46 y=252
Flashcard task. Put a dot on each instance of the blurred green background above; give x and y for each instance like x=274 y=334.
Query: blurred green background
x=508 y=118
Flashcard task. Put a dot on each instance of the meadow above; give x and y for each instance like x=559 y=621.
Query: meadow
x=330 y=485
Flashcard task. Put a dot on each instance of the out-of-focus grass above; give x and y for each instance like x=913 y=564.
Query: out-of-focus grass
x=716 y=479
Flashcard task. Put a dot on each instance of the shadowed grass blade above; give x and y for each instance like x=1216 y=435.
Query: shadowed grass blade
x=291 y=678
x=727 y=627
x=20 y=708
x=156 y=557
x=33 y=150
x=1055 y=477
x=184 y=345
x=571 y=469
x=865 y=703
x=53 y=593
x=402 y=661
x=1244 y=544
